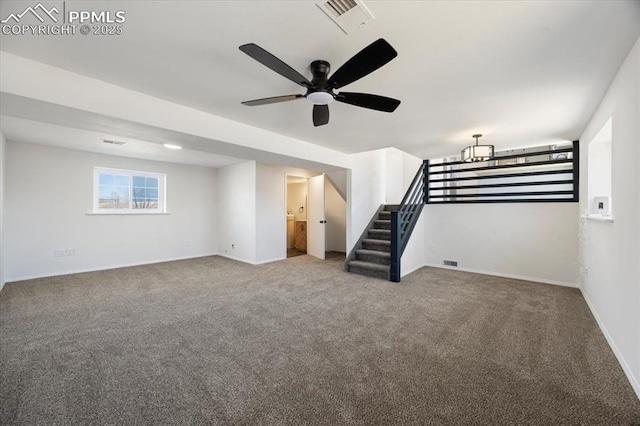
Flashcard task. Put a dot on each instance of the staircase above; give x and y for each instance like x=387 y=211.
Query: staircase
x=378 y=252
x=372 y=256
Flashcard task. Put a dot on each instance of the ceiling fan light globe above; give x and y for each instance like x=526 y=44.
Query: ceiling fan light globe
x=320 y=98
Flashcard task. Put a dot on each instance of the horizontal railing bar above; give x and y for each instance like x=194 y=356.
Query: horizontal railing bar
x=506 y=157
x=507 y=194
x=516 y=200
x=502 y=185
x=503 y=166
x=507 y=175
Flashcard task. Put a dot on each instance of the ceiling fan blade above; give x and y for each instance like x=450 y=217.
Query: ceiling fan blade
x=364 y=62
x=366 y=100
x=275 y=99
x=270 y=61
x=320 y=115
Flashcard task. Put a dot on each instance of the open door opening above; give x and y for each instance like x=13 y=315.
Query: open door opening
x=316 y=216
x=296 y=201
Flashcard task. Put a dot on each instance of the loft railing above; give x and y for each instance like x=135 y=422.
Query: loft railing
x=404 y=219
x=540 y=176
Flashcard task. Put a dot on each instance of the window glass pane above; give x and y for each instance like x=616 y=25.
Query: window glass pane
x=138 y=193
x=106 y=179
x=105 y=191
x=113 y=197
x=124 y=190
x=122 y=180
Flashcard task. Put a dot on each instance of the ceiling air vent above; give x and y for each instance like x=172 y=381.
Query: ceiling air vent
x=110 y=142
x=349 y=15
x=339 y=7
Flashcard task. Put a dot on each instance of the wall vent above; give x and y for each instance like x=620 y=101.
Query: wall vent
x=113 y=142
x=450 y=262
x=349 y=15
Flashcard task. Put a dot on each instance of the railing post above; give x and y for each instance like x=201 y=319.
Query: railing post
x=396 y=244
x=576 y=171
x=425 y=176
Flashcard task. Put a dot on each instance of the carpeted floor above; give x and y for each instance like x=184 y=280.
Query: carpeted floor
x=214 y=341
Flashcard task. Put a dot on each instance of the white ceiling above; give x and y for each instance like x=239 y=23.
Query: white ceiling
x=521 y=72
x=29 y=131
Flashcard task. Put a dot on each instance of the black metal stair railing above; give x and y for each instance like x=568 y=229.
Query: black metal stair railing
x=404 y=219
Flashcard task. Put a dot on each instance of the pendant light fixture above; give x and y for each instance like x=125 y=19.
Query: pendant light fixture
x=476 y=153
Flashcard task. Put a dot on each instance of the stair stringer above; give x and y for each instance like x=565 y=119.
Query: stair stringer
x=365 y=233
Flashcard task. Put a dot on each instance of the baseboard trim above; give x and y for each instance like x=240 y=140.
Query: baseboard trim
x=499 y=274
x=277 y=259
x=404 y=274
x=106 y=268
x=623 y=363
x=250 y=262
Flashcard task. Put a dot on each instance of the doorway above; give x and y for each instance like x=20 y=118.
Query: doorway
x=296 y=201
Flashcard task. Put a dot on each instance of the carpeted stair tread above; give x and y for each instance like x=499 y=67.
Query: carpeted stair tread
x=381 y=224
x=369 y=265
x=373 y=253
x=380 y=231
x=377 y=242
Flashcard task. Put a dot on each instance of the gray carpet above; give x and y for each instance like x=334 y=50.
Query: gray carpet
x=214 y=341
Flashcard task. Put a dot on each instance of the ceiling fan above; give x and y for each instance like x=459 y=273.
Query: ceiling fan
x=320 y=90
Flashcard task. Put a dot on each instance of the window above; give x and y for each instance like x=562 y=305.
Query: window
x=127 y=191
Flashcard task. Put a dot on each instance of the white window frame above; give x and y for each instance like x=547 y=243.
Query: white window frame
x=162 y=185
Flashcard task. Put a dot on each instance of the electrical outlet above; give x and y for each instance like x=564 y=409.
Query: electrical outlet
x=233 y=246
x=70 y=252
x=58 y=253
x=433 y=248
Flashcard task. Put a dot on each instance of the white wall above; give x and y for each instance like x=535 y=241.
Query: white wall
x=335 y=209
x=237 y=211
x=2 y=166
x=252 y=212
x=536 y=241
x=48 y=192
x=339 y=181
x=394 y=176
x=366 y=190
x=271 y=229
x=610 y=278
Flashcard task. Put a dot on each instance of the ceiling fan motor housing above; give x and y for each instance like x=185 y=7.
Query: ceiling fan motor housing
x=320 y=92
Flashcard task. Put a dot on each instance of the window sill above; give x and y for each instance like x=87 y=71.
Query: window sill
x=598 y=218
x=126 y=213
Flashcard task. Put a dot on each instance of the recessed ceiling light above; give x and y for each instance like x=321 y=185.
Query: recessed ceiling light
x=171 y=146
